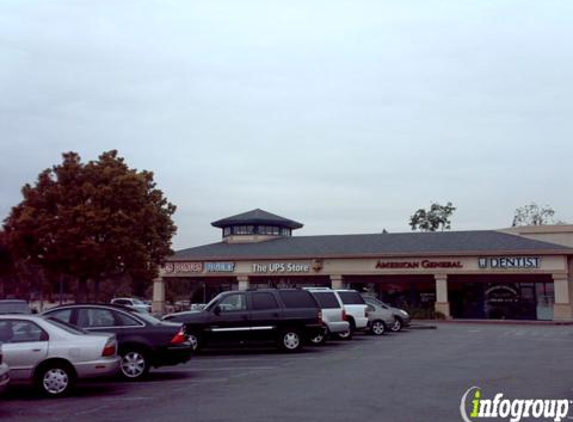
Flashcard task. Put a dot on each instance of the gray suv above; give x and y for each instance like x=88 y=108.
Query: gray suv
x=333 y=314
x=401 y=317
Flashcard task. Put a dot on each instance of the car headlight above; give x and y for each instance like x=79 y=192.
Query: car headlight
x=404 y=313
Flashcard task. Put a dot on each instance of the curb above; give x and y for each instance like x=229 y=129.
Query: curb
x=499 y=322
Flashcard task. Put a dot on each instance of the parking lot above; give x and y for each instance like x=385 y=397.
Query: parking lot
x=416 y=375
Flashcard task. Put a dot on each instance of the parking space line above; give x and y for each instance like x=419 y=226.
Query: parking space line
x=229 y=368
x=187 y=381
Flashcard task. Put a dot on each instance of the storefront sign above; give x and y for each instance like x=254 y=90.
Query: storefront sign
x=281 y=267
x=501 y=294
x=509 y=262
x=393 y=265
x=219 y=267
x=183 y=267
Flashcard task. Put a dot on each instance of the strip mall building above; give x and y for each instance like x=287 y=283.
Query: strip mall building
x=518 y=273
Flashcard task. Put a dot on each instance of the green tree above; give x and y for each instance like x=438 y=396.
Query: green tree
x=534 y=215
x=434 y=219
x=94 y=221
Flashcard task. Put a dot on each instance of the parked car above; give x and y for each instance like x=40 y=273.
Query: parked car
x=143 y=340
x=356 y=311
x=132 y=302
x=4 y=373
x=53 y=356
x=286 y=317
x=401 y=317
x=333 y=314
x=380 y=320
x=14 y=306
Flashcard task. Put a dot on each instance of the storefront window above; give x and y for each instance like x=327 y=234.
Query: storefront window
x=512 y=300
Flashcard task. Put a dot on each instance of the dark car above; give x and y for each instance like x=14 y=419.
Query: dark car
x=14 y=306
x=143 y=341
x=286 y=317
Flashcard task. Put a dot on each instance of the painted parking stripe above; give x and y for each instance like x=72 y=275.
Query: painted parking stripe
x=230 y=368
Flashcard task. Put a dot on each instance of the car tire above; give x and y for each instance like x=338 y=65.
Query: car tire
x=55 y=379
x=134 y=364
x=347 y=335
x=377 y=327
x=195 y=341
x=290 y=340
x=397 y=325
x=319 y=339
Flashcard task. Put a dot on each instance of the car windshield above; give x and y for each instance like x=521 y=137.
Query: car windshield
x=211 y=304
x=375 y=301
x=137 y=302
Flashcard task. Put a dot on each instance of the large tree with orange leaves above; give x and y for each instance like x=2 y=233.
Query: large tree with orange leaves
x=92 y=221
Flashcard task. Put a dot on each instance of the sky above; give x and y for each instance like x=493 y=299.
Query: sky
x=347 y=116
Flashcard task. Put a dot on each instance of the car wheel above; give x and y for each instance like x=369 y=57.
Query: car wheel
x=377 y=327
x=55 y=380
x=397 y=325
x=134 y=364
x=318 y=339
x=291 y=340
x=194 y=340
x=347 y=335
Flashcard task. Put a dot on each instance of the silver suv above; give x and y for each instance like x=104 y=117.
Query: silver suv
x=333 y=314
x=402 y=318
x=380 y=319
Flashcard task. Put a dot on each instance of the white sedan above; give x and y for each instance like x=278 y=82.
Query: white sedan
x=53 y=355
x=4 y=373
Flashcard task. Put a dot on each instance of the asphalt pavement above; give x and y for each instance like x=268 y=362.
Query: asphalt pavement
x=412 y=376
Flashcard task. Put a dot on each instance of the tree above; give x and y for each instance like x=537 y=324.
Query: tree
x=436 y=218
x=92 y=221
x=534 y=215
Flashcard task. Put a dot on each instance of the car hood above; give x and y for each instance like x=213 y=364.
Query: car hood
x=189 y=316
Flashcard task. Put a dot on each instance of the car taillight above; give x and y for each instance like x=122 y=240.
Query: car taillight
x=366 y=312
x=344 y=318
x=180 y=337
x=320 y=317
x=110 y=348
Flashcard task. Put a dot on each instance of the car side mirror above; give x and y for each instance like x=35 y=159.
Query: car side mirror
x=217 y=310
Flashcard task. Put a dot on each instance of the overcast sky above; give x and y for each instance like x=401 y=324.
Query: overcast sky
x=344 y=115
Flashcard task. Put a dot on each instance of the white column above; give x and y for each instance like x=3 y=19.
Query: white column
x=337 y=282
x=442 y=303
x=243 y=282
x=158 y=304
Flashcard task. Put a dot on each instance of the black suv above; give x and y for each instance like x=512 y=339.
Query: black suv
x=143 y=341
x=287 y=317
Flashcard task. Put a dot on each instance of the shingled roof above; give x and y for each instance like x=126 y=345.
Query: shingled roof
x=257 y=216
x=488 y=242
